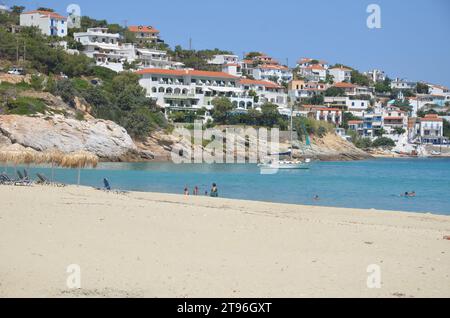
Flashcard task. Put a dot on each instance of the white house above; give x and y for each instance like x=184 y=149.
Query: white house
x=182 y=90
x=50 y=23
x=223 y=59
x=298 y=89
x=431 y=129
x=234 y=69
x=272 y=72
x=105 y=48
x=314 y=72
x=394 y=118
x=357 y=107
x=145 y=34
x=330 y=115
x=151 y=58
x=341 y=74
x=376 y=75
x=305 y=62
x=438 y=90
x=266 y=91
x=402 y=84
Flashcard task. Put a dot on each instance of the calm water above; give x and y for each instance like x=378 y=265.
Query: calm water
x=361 y=184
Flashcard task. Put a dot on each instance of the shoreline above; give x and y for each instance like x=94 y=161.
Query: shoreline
x=142 y=244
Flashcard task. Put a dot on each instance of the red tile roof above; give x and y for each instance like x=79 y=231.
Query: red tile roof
x=431 y=117
x=355 y=122
x=273 y=67
x=344 y=85
x=246 y=81
x=141 y=28
x=341 y=68
x=315 y=67
x=47 y=14
x=185 y=73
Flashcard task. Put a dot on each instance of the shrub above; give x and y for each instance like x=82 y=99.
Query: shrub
x=25 y=106
x=383 y=142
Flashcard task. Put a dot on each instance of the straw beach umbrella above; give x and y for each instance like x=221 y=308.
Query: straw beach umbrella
x=54 y=157
x=17 y=154
x=79 y=159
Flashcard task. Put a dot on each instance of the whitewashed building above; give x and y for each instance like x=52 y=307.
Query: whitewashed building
x=222 y=59
x=267 y=92
x=182 y=90
x=272 y=72
x=145 y=34
x=394 y=118
x=376 y=75
x=431 y=129
x=151 y=58
x=50 y=23
x=402 y=84
x=105 y=48
x=234 y=69
x=340 y=74
x=314 y=72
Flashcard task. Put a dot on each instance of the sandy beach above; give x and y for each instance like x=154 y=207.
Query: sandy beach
x=161 y=245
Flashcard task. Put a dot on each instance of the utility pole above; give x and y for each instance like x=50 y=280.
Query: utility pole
x=190 y=44
x=24 y=51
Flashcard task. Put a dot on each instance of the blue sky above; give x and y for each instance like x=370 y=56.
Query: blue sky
x=414 y=41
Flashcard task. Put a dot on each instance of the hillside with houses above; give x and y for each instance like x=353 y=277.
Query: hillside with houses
x=130 y=76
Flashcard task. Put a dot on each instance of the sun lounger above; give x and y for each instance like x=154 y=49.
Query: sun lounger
x=22 y=180
x=43 y=180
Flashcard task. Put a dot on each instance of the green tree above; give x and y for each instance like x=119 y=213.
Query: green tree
x=45 y=9
x=446 y=128
x=222 y=107
x=360 y=79
x=316 y=100
x=334 y=92
x=17 y=9
x=363 y=143
x=422 y=88
x=383 y=142
x=383 y=87
x=399 y=130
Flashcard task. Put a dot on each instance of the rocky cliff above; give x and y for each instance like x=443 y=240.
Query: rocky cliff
x=104 y=138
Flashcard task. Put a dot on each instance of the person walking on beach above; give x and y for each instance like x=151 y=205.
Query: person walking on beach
x=214 y=191
x=196 y=190
x=186 y=191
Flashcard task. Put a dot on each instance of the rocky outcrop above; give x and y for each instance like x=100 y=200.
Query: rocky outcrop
x=328 y=148
x=332 y=148
x=104 y=138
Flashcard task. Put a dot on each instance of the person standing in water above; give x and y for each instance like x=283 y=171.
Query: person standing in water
x=214 y=191
x=196 y=190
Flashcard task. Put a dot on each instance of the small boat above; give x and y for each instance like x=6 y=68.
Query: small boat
x=286 y=165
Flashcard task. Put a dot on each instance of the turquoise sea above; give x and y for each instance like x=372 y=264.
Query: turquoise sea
x=370 y=184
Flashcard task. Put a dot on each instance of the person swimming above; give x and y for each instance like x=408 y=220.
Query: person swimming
x=316 y=198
